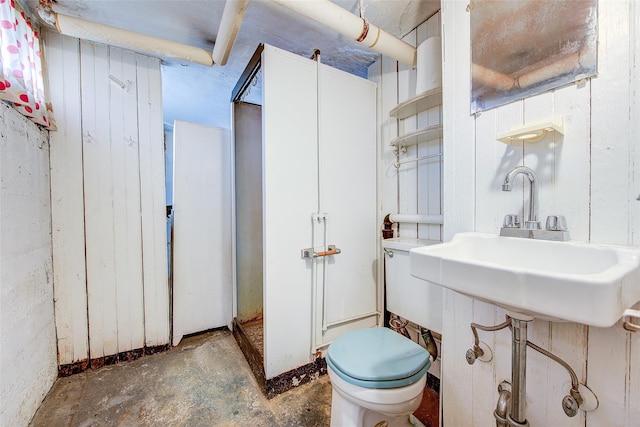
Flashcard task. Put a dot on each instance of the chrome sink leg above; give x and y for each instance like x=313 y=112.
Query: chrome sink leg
x=511 y=408
x=517 y=415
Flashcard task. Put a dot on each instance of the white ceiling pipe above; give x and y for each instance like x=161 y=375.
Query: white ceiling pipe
x=350 y=25
x=229 y=25
x=125 y=39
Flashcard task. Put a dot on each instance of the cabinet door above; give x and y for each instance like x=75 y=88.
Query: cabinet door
x=347 y=150
x=290 y=197
x=319 y=156
x=202 y=288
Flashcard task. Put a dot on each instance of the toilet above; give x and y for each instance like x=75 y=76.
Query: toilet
x=378 y=376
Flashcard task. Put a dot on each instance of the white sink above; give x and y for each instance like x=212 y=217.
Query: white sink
x=559 y=281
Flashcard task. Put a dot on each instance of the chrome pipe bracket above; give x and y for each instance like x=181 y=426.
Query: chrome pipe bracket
x=480 y=350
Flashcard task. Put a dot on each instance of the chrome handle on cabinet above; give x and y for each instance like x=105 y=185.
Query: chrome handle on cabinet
x=310 y=253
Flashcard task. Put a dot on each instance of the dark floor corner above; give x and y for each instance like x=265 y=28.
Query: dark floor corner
x=429 y=411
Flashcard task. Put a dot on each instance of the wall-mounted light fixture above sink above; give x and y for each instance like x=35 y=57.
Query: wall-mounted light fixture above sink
x=586 y=283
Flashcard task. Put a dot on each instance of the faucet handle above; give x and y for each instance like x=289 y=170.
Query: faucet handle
x=556 y=223
x=511 y=221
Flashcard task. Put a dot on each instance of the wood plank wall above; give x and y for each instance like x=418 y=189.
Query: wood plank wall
x=414 y=188
x=590 y=175
x=107 y=162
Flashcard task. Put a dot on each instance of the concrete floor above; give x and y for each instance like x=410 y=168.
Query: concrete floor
x=205 y=381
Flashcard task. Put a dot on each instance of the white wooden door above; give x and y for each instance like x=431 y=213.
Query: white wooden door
x=319 y=188
x=347 y=282
x=290 y=197
x=202 y=280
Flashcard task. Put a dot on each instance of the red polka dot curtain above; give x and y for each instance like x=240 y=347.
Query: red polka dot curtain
x=21 y=80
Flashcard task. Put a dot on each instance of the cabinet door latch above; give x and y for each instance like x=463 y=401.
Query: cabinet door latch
x=310 y=253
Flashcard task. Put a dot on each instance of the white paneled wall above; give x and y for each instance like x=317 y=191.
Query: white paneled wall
x=108 y=210
x=590 y=176
x=414 y=187
x=27 y=332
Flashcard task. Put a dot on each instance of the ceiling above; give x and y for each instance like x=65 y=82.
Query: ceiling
x=201 y=94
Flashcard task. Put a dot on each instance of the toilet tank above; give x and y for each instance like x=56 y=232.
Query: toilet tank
x=411 y=298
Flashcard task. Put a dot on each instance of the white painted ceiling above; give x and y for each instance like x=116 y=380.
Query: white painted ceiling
x=201 y=94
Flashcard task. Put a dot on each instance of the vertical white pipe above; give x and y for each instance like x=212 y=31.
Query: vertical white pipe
x=350 y=25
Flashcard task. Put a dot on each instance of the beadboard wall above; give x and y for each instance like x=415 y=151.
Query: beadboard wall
x=591 y=176
x=108 y=202
x=415 y=186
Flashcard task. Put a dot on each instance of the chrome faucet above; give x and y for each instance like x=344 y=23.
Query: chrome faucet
x=532 y=223
x=556 y=227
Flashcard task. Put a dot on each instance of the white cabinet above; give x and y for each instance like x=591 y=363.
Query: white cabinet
x=305 y=178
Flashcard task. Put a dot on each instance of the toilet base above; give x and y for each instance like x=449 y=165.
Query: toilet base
x=346 y=414
x=353 y=406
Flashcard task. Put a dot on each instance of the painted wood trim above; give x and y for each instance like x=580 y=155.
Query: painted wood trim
x=459 y=136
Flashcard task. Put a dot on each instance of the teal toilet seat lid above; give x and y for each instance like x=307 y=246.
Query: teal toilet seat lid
x=377 y=358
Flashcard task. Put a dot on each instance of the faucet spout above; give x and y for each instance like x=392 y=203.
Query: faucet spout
x=532 y=221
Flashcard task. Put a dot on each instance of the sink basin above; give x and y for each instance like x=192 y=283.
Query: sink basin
x=559 y=281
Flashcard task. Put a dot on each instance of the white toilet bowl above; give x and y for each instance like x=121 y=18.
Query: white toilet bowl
x=376 y=375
